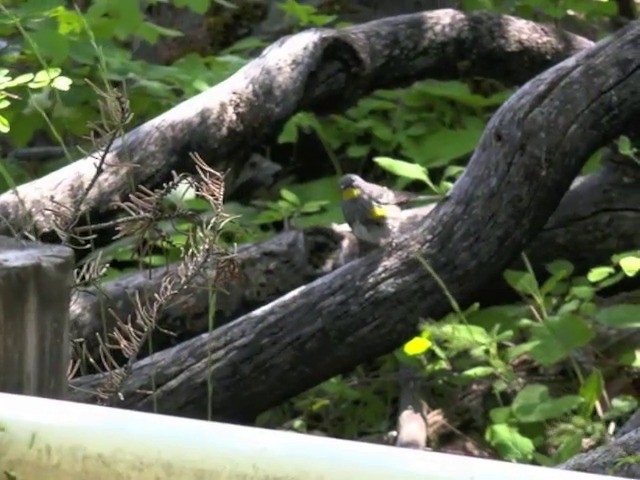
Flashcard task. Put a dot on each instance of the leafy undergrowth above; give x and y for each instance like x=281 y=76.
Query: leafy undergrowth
x=536 y=381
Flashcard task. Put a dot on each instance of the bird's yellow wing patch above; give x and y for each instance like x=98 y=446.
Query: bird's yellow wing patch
x=350 y=193
x=378 y=212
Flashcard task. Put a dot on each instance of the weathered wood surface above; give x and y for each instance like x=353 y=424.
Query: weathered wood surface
x=526 y=160
x=320 y=70
x=35 y=287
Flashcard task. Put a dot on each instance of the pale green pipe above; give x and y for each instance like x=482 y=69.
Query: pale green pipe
x=55 y=440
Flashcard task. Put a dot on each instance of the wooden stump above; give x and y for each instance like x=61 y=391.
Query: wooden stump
x=35 y=289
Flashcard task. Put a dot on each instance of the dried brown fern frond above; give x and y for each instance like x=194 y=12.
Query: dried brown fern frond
x=201 y=254
x=115 y=114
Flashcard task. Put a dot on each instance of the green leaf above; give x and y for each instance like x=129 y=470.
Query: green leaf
x=402 y=169
x=630 y=265
x=590 y=391
x=569 y=448
x=620 y=406
x=598 y=274
x=19 y=80
x=460 y=92
x=51 y=45
x=522 y=282
x=534 y=404
x=629 y=357
x=619 y=316
x=498 y=318
x=478 y=372
x=416 y=346
x=509 y=443
x=582 y=292
x=442 y=146
x=624 y=146
x=557 y=336
x=151 y=32
x=290 y=197
x=62 y=83
x=501 y=415
x=314 y=206
x=560 y=270
x=4 y=124
x=462 y=337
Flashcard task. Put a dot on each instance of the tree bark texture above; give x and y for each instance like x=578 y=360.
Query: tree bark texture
x=532 y=149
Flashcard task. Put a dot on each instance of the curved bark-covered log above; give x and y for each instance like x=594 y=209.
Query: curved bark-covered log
x=599 y=216
x=532 y=149
x=318 y=70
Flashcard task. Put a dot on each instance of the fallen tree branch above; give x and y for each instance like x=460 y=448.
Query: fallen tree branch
x=318 y=70
x=532 y=149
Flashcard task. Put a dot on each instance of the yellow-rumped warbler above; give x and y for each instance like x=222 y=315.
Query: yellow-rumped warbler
x=372 y=211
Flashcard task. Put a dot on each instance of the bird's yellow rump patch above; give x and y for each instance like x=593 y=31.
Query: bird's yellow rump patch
x=350 y=193
x=377 y=212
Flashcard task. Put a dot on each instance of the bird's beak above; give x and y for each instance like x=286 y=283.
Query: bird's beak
x=350 y=193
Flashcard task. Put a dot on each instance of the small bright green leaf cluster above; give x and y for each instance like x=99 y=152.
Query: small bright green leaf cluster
x=9 y=87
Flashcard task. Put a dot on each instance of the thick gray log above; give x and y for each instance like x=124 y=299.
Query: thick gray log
x=35 y=286
x=319 y=70
x=531 y=151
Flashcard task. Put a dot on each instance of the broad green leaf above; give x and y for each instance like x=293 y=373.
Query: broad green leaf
x=460 y=92
x=442 y=146
x=402 y=169
x=19 y=80
x=569 y=448
x=313 y=206
x=498 y=318
x=582 y=292
x=534 y=404
x=558 y=336
x=519 y=350
x=560 y=270
x=598 y=274
x=522 y=282
x=51 y=45
x=630 y=357
x=620 y=406
x=501 y=415
x=62 y=83
x=289 y=196
x=509 y=443
x=416 y=346
x=462 y=337
x=560 y=267
x=620 y=316
x=630 y=265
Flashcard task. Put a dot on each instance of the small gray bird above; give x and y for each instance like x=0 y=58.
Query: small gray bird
x=372 y=211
